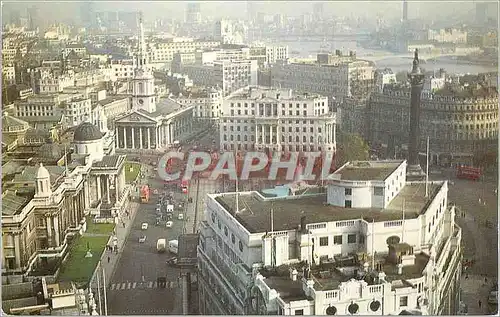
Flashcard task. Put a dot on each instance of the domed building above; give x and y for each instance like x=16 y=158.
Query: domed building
x=87 y=140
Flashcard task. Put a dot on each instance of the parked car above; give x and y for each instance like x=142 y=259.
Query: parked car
x=493 y=298
x=172 y=261
x=142 y=239
x=169 y=224
x=144 y=226
x=180 y=216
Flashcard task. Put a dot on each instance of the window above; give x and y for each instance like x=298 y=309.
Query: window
x=378 y=191
x=403 y=301
x=323 y=241
x=348 y=204
x=351 y=238
x=299 y=312
x=361 y=239
x=348 y=191
x=337 y=239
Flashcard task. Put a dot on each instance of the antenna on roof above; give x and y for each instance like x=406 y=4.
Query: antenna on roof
x=236 y=182
x=403 y=224
x=427 y=170
x=373 y=244
x=65 y=160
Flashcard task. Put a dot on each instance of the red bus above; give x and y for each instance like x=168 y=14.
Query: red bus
x=145 y=193
x=469 y=172
x=184 y=186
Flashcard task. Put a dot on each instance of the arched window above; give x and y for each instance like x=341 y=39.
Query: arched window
x=141 y=88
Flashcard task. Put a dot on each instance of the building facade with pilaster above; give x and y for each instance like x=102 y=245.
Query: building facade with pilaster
x=368 y=243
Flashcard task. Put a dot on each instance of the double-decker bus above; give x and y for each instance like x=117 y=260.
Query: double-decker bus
x=469 y=172
x=145 y=193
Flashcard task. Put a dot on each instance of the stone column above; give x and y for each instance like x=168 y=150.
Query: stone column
x=170 y=141
x=117 y=190
x=278 y=137
x=98 y=185
x=125 y=137
x=48 y=222
x=149 y=137
x=133 y=137
x=263 y=134
x=56 y=230
x=271 y=134
x=108 y=189
x=334 y=139
x=140 y=138
x=157 y=136
x=17 y=249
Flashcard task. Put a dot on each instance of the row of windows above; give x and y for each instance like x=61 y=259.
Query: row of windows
x=274 y=139
x=239 y=121
x=339 y=240
x=291 y=148
x=261 y=105
x=252 y=128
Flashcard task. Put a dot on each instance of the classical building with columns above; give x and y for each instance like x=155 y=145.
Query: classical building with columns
x=42 y=206
x=153 y=123
x=260 y=118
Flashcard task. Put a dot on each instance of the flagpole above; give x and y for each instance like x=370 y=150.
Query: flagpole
x=427 y=171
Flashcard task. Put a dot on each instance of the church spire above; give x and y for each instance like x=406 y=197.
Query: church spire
x=141 y=58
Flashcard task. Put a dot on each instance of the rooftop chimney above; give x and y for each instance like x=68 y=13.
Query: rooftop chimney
x=303 y=224
x=294 y=274
x=400 y=268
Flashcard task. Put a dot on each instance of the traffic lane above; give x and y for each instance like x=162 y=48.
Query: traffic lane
x=144 y=302
x=480 y=242
x=137 y=257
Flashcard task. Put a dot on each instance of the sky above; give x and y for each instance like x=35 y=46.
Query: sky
x=237 y=9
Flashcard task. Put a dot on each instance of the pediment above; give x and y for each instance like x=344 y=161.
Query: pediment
x=135 y=117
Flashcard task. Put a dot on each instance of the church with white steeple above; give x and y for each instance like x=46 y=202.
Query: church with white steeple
x=152 y=123
x=144 y=95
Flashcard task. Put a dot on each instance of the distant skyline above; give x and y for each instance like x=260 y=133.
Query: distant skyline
x=226 y=9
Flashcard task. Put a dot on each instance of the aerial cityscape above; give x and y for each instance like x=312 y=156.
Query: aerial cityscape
x=250 y=158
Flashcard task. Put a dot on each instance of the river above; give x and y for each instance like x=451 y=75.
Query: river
x=296 y=48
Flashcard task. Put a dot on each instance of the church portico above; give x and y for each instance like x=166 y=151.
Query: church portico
x=109 y=178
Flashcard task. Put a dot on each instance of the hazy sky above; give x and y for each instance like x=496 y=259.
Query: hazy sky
x=237 y=9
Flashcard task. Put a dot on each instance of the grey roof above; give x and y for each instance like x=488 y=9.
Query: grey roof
x=164 y=107
x=287 y=211
x=187 y=246
x=55 y=118
x=10 y=121
x=109 y=161
x=12 y=203
x=28 y=175
x=368 y=170
x=11 y=167
x=87 y=132
x=51 y=151
x=38 y=133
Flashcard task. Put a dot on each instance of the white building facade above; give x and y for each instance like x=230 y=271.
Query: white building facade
x=258 y=118
x=207 y=104
x=330 y=259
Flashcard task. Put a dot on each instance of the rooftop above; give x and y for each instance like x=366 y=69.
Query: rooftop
x=12 y=203
x=109 y=161
x=366 y=170
x=255 y=210
x=165 y=107
x=329 y=276
x=110 y=99
x=28 y=174
x=266 y=94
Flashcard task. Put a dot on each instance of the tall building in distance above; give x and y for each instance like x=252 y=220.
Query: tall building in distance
x=318 y=11
x=405 y=10
x=193 y=12
x=33 y=20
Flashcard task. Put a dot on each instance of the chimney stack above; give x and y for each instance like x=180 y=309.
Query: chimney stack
x=400 y=268
x=303 y=224
x=294 y=274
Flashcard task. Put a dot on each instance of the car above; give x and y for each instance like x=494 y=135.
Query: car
x=142 y=239
x=172 y=261
x=169 y=224
x=144 y=226
x=180 y=216
x=493 y=298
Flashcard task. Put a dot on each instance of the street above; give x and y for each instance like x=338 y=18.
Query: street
x=133 y=288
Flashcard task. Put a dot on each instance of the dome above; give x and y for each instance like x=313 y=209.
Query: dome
x=42 y=172
x=87 y=132
x=51 y=151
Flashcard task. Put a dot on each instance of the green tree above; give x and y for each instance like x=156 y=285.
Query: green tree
x=351 y=147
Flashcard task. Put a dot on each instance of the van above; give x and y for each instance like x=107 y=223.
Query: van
x=173 y=246
x=160 y=245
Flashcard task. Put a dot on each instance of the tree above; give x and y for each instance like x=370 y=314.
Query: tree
x=351 y=147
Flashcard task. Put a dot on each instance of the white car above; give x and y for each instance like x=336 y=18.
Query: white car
x=144 y=226
x=169 y=224
x=142 y=239
x=180 y=217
